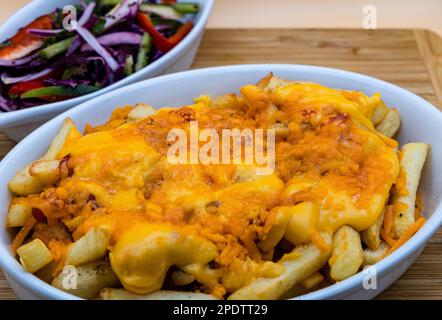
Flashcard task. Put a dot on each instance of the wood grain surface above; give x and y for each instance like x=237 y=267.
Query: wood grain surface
x=409 y=58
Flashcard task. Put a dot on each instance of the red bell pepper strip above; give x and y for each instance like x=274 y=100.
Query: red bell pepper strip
x=181 y=33
x=24 y=43
x=162 y=43
x=21 y=87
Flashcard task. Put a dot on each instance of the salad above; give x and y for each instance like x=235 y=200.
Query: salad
x=111 y=39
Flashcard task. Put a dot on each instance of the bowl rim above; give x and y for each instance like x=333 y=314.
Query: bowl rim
x=14 y=270
x=12 y=118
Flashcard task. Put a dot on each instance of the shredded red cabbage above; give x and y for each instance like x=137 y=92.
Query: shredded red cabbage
x=126 y=10
x=18 y=62
x=45 y=32
x=7 y=79
x=92 y=41
x=86 y=14
x=117 y=38
x=71 y=83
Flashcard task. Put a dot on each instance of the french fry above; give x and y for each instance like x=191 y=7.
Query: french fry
x=280 y=219
x=371 y=257
x=312 y=281
x=87 y=280
x=390 y=124
x=347 y=255
x=379 y=113
x=34 y=255
x=18 y=214
x=264 y=81
x=139 y=112
x=121 y=294
x=372 y=236
x=59 y=140
x=73 y=223
x=275 y=82
x=304 y=216
x=181 y=278
x=46 y=171
x=302 y=262
x=90 y=247
x=412 y=160
x=23 y=183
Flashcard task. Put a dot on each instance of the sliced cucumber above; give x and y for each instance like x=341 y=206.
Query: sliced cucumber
x=129 y=65
x=186 y=7
x=58 y=91
x=164 y=11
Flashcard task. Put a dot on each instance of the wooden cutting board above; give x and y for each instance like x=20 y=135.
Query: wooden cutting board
x=411 y=59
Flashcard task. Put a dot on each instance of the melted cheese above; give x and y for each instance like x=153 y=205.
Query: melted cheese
x=332 y=169
x=143 y=255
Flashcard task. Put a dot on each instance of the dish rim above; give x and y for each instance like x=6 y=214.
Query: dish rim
x=14 y=270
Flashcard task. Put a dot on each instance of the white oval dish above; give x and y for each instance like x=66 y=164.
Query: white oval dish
x=18 y=124
x=421 y=122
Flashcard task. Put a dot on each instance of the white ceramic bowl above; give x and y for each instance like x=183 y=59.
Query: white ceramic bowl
x=18 y=124
x=421 y=122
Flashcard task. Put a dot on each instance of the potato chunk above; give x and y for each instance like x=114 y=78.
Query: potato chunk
x=18 y=214
x=34 y=255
